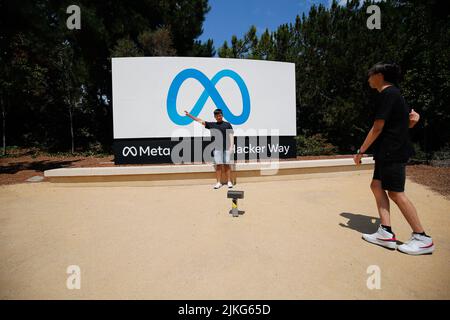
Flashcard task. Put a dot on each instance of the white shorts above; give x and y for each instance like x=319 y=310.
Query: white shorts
x=222 y=157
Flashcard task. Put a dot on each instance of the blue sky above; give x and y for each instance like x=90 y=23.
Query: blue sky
x=234 y=17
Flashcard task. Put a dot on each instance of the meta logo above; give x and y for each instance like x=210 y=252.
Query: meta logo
x=147 y=151
x=209 y=92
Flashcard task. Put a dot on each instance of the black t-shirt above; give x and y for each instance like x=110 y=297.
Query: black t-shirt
x=393 y=144
x=220 y=132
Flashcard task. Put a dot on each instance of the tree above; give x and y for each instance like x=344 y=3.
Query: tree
x=157 y=43
x=332 y=50
x=55 y=83
x=203 y=49
x=125 y=47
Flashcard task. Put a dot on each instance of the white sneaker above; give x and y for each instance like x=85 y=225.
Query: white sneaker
x=417 y=245
x=218 y=185
x=381 y=238
x=230 y=184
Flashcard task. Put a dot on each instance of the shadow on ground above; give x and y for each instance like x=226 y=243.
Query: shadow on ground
x=360 y=222
x=40 y=165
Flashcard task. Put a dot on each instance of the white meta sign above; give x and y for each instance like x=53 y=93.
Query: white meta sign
x=150 y=95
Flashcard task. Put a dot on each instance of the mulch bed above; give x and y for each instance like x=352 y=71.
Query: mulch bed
x=437 y=178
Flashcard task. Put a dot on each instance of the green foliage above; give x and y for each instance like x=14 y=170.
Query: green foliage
x=420 y=155
x=314 y=145
x=55 y=83
x=332 y=49
x=203 y=49
x=443 y=153
x=125 y=47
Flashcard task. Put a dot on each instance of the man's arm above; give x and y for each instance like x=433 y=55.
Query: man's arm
x=194 y=118
x=373 y=134
x=231 y=137
x=413 y=118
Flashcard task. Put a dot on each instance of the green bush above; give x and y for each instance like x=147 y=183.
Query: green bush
x=443 y=153
x=420 y=155
x=315 y=145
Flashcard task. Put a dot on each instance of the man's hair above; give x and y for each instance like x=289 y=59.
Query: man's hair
x=390 y=71
x=218 y=111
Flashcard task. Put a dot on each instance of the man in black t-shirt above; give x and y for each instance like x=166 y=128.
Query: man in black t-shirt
x=391 y=150
x=223 y=135
x=393 y=143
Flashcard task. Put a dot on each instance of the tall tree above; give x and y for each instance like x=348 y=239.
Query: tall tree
x=55 y=83
x=332 y=49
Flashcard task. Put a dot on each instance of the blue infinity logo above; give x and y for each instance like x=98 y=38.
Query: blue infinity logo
x=210 y=91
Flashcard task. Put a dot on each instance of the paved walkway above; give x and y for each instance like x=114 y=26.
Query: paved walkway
x=299 y=239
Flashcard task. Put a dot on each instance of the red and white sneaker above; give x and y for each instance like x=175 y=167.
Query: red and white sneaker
x=417 y=245
x=381 y=238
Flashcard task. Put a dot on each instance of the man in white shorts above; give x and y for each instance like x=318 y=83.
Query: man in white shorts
x=224 y=144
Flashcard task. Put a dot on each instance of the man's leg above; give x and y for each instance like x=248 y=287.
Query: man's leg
x=394 y=175
x=382 y=201
x=224 y=170
x=228 y=172
x=420 y=243
x=408 y=210
x=384 y=235
x=219 y=172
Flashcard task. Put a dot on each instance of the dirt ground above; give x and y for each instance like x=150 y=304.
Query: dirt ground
x=437 y=178
x=298 y=239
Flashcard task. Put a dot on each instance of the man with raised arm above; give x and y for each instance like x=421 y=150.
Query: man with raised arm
x=223 y=134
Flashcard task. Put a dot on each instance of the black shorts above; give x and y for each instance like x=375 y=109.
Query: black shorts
x=391 y=174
